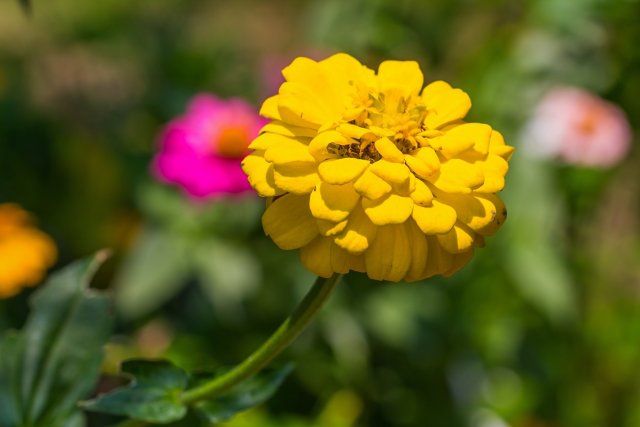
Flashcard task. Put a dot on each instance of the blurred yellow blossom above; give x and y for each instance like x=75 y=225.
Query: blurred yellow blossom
x=25 y=251
x=371 y=172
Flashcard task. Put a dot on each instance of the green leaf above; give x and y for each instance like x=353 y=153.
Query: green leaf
x=254 y=391
x=10 y=350
x=55 y=360
x=154 y=271
x=152 y=396
x=535 y=257
x=228 y=273
x=26 y=5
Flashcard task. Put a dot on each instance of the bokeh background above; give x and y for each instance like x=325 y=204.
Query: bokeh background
x=542 y=329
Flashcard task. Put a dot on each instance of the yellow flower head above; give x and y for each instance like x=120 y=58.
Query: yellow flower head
x=25 y=252
x=371 y=172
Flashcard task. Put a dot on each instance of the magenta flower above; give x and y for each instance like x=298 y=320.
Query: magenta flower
x=578 y=128
x=201 y=150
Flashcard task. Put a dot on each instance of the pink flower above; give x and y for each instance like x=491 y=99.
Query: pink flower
x=579 y=128
x=201 y=150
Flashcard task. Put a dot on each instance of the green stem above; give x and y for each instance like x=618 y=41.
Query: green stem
x=281 y=338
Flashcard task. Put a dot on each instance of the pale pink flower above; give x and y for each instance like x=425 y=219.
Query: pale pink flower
x=579 y=128
x=201 y=150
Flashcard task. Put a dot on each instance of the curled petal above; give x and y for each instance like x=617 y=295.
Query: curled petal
x=459 y=239
x=261 y=176
x=389 y=151
x=371 y=186
x=436 y=219
x=393 y=173
x=342 y=171
x=446 y=106
x=358 y=234
x=392 y=209
x=330 y=228
x=289 y=222
x=333 y=202
x=297 y=178
x=458 y=176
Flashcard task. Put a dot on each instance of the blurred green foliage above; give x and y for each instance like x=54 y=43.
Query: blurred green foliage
x=540 y=330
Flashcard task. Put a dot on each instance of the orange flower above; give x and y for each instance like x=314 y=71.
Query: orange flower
x=25 y=251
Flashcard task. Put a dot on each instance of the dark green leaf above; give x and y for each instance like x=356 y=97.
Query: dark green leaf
x=152 y=396
x=10 y=350
x=253 y=392
x=55 y=360
x=26 y=5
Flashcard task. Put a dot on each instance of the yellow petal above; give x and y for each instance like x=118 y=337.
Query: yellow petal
x=269 y=108
x=282 y=128
x=446 y=106
x=421 y=195
x=459 y=239
x=473 y=210
x=436 y=219
x=419 y=252
x=307 y=74
x=268 y=140
x=356 y=263
x=341 y=171
x=461 y=138
x=500 y=214
x=340 y=260
x=458 y=261
x=494 y=169
x=316 y=256
x=371 y=186
x=458 y=176
x=299 y=108
x=389 y=151
x=318 y=145
x=393 y=173
x=289 y=222
x=404 y=75
x=324 y=258
x=330 y=228
x=297 y=178
x=498 y=147
x=358 y=234
x=260 y=174
x=405 y=188
x=344 y=72
x=439 y=260
x=286 y=150
x=392 y=209
x=352 y=131
x=423 y=162
x=432 y=89
x=333 y=202
x=389 y=256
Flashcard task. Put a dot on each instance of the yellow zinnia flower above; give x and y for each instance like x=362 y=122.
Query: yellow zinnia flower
x=25 y=252
x=372 y=173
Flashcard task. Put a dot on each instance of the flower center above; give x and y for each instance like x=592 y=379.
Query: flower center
x=232 y=142
x=589 y=121
x=388 y=114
